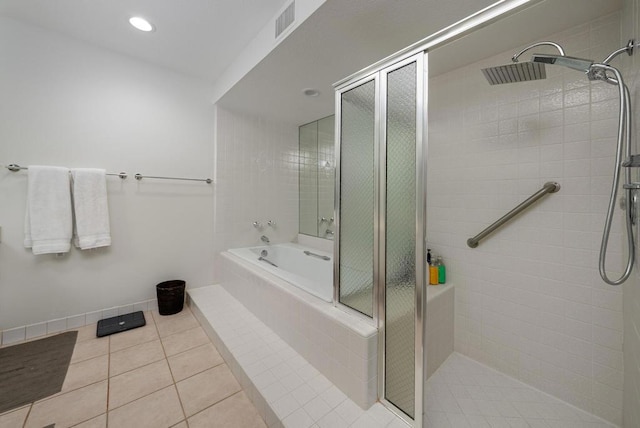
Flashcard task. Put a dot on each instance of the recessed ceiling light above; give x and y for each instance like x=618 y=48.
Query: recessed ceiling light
x=310 y=92
x=141 y=24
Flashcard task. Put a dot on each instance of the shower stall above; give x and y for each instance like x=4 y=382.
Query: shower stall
x=381 y=212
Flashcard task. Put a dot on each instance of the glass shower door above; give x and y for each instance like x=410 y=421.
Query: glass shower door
x=357 y=197
x=381 y=216
x=399 y=139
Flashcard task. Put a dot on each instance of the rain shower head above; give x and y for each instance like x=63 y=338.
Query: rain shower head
x=516 y=72
x=519 y=71
x=579 y=64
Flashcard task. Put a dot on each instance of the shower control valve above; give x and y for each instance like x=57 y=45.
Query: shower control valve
x=271 y=223
x=257 y=225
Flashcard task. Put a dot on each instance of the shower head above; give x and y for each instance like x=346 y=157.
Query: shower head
x=579 y=64
x=516 y=72
x=519 y=71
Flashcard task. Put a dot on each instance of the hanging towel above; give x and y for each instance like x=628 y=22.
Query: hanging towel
x=91 y=208
x=48 y=221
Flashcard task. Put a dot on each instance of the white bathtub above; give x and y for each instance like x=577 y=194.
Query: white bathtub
x=311 y=273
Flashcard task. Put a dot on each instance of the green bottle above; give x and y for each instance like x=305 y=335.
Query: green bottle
x=442 y=271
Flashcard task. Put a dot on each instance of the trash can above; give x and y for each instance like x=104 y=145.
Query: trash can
x=170 y=296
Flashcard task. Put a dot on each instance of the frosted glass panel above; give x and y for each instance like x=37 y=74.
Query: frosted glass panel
x=400 y=238
x=357 y=198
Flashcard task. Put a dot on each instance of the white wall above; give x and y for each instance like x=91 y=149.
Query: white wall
x=67 y=103
x=257 y=180
x=529 y=299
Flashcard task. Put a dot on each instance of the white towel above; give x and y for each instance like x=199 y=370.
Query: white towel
x=47 y=227
x=91 y=208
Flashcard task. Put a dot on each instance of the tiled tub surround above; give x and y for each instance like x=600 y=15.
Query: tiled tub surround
x=285 y=389
x=529 y=299
x=339 y=345
x=345 y=347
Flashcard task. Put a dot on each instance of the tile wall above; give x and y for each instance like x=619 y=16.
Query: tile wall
x=529 y=299
x=631 y=290
x=340 y=346
x=256 y=180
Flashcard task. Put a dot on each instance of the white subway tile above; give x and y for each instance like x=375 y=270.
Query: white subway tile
x=55 y=326
x=36 y=330
x=13 y=335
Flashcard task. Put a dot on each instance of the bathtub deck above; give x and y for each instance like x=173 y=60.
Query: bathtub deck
x=284 y=387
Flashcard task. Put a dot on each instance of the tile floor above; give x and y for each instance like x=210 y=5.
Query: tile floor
x=464 y=393
x=169 y=374
x=165 y=374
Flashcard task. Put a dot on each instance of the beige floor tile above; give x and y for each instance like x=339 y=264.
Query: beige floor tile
x=202 y=390
x=71 y=408
x=157 y=410
x=91 y=348
x=133 y=337
x=182 y=424
x=14 y=418
x=234 y=412
x=99 y=422
x=134 y=357
x=170 y=326
x=87 y=332
x=137 y=383
x=85 y=373
x=194 y=361
x=184 y=341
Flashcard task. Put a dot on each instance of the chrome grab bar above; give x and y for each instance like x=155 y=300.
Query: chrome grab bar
x=309 y=253
x=549 y=187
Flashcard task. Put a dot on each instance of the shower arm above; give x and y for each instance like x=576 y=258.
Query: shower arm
x=545 y=43
x=600 y=73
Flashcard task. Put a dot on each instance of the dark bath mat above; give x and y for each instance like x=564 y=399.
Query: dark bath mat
x=34 y=370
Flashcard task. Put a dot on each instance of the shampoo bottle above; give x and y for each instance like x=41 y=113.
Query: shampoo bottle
x=433 y=271
x=442 y=271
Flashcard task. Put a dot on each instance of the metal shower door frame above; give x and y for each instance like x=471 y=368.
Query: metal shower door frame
x=420 y=307
x=379 y=78
x=337 y=206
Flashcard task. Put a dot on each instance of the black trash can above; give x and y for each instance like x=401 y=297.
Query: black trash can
x=170 y=296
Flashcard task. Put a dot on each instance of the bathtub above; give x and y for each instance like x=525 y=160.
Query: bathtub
x=313 y=272
x=342 y=346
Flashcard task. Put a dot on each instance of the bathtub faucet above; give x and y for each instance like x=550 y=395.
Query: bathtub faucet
x=264 y=239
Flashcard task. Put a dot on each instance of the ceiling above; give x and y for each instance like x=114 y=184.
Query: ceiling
x=342 y=37
x=201 y=38
x=196 y=37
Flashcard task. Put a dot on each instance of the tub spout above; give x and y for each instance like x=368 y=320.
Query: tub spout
x=264 y=239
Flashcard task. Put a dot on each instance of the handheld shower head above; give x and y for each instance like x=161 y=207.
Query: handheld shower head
x=578 y=64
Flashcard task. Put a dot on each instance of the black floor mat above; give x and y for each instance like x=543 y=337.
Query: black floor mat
x=34 y=370
x=120 y=323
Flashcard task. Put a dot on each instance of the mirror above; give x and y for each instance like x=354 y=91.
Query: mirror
x=317 y=177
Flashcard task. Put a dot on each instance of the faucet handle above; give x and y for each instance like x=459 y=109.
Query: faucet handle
x=322 y=220
x=271 y=223
x=257 y=225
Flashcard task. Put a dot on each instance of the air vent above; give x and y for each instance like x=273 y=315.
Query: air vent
x=285 y=19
